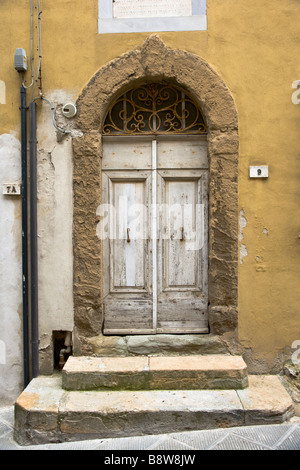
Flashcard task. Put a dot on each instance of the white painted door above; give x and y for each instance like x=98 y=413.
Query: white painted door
x=154 y=231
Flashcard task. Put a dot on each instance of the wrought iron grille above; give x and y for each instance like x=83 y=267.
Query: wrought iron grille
x=154 y=109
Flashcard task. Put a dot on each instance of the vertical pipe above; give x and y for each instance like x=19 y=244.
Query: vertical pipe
x=23 y=109
x=33 y=242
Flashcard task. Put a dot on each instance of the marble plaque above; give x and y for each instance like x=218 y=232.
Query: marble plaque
x=151 y=8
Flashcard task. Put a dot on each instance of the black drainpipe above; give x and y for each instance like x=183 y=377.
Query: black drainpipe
x=23 y=109
x=33 y=242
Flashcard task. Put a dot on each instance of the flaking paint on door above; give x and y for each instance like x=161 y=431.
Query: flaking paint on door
x=155 y=282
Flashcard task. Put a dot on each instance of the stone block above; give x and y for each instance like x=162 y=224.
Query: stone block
x=36 y=411
x=266 y=400
x=198 y=372
x=127 y=413
x=155 y=373
x=223 y=319
x=175 y=345
x=89 y=373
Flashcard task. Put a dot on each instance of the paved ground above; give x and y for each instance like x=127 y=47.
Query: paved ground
x=270 y=437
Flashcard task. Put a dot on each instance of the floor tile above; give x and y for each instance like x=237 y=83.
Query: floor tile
x=200 y=440
x=129 y=443
x=266 y=435
x=170 y=444
x=291 y=442
x=233 y=442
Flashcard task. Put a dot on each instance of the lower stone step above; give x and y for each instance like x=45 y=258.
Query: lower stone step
x=45 y=412
x=155 y=373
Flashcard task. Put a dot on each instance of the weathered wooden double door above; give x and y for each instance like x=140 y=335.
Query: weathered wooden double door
x=154 y=215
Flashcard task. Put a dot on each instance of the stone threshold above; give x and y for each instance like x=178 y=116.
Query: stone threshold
x=155 y=373
x=162 y=345
x=46 y=413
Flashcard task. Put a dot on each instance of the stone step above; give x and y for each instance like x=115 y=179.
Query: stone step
x=156 y=345
x=45 y=412
x=155 y=373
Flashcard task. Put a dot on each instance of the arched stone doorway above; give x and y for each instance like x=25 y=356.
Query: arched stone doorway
x=159 y=64
x=154 y=213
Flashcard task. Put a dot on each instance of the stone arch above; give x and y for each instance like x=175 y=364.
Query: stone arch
x=156 y=62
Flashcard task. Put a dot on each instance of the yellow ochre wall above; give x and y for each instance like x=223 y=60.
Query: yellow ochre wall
x=254 y=47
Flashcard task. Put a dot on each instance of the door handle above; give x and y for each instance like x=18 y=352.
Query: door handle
x=182 y=235
x=128 y=237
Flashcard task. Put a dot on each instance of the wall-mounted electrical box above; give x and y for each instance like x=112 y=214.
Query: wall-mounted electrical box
x=20 y=60
x=261 y=171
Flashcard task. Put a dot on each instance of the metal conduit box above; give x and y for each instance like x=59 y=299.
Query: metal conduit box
x=20 y=60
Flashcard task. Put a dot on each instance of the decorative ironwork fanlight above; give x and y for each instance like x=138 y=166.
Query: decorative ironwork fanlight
x=154 y=109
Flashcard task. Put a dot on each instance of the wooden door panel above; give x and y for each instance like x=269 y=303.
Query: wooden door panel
x=128 y=249
x=182 y=152
x=130 y=316
x=124 y=153
x=160 y=211
x=128 y=303
x=180 y=264
x=182 y=291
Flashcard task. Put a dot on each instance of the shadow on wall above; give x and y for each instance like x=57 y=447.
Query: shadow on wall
x=62 y=348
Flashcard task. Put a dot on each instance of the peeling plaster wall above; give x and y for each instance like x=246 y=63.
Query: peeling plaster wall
x=242 y=225
x=11 y=347
x=55 y=212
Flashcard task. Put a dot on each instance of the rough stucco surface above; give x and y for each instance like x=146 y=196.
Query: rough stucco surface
x=155 y=62
x=11 y=349
x=55 y=216
x=87 y=249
